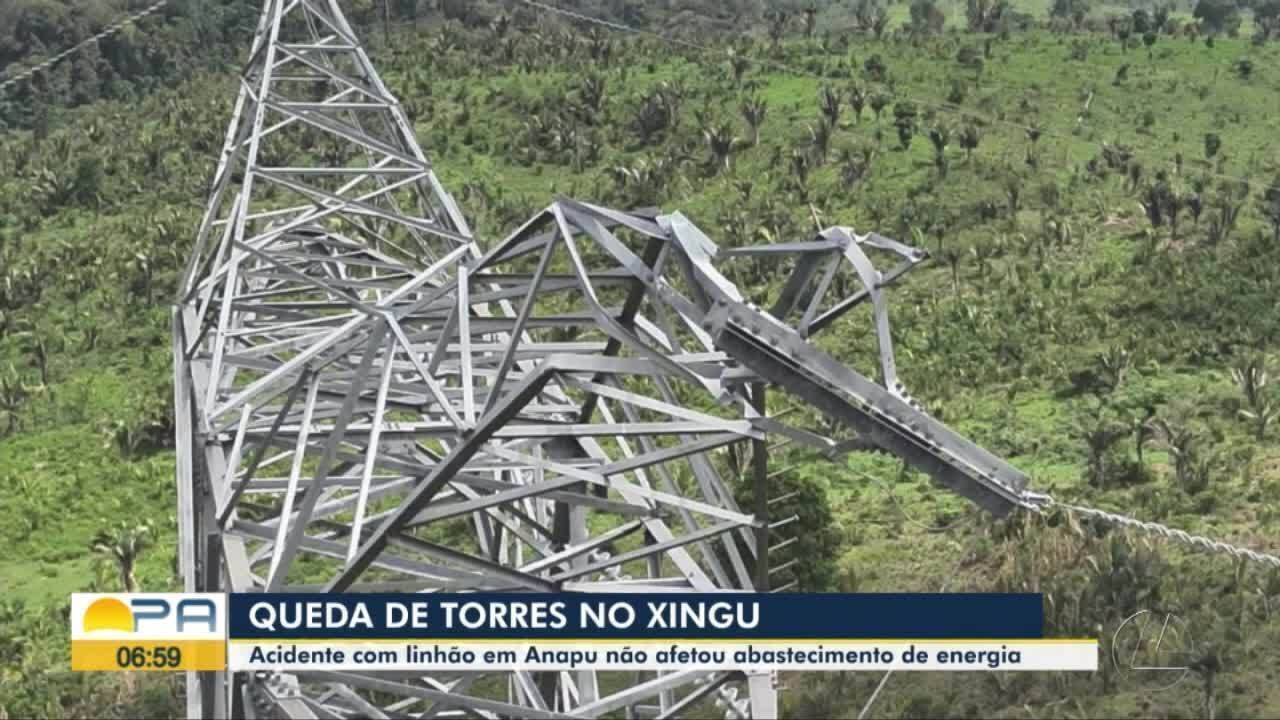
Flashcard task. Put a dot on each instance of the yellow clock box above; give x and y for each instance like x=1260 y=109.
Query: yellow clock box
x=161 y=632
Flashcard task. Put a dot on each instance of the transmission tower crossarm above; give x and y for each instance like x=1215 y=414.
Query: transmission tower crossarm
x=779 y=355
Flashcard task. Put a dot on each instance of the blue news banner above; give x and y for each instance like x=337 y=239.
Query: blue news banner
x=577 y=631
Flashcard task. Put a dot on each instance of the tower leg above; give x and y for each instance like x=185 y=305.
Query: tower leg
x=763 y=691
x=760 y=471
x=185 y=481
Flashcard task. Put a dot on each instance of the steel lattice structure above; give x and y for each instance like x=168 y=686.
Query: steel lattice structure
x=368 y=399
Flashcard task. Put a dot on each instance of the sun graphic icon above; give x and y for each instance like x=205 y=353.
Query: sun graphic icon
x=108 y=614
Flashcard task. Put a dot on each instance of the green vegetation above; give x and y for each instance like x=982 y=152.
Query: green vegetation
x=1098 y=187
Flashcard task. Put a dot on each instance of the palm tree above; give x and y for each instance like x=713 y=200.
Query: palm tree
x=1113 y=365
x=1034 y=131
x=12 y=396
x=820 y=137
x=940 y=136
x=1251 y=378
x=879 y=101
x=857 y=100
x=953 y=257
x=738 y=65
x=852 y=169
x=970 y=136
x=1012 y=183
x=1183 y=444
x=1207 y=667
x=1175 y=200
x=1134 y=170
x=1271 y=206
x=1100 y=430
x=653 y=115
x=753 y=111
x=124 y=542
x=143 y=263
x=722 y=143
x=778 y=20
x=800 y=168
x=829 y=104
x=499 y=26
x=1123 y=31
x=1195 y=203
x=52 y=189
x=39 y=348
x=879 y=21
x=876 y=68
x=1212 y=143
x=591 y=92
x=983 y=253
x=904 y=119
x=645 y=180
x=1140 y=426
x=1226 y=205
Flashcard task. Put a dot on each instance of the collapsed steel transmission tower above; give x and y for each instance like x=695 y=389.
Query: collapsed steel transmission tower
x=368 y=399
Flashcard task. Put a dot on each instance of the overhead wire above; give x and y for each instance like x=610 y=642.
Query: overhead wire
x=875 y=694
x=107 y=31
x=1040 y=503
x=930 y=104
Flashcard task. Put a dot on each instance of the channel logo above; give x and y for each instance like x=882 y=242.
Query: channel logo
x=148 y=631
x=112 y=613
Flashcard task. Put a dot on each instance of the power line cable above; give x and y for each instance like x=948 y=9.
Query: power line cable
x=1038 y=503
x=105 y=32
x=875 y=694
x=941 y=107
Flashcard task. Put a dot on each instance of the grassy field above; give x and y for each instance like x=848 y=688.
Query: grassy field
x=1004 y=335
